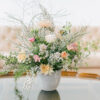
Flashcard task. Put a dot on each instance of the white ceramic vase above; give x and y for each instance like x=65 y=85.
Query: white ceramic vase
x=49 y=82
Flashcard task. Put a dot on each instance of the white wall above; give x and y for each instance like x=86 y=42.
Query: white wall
x=81 y=12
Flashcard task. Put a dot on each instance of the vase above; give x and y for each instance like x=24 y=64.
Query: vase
x=49 y=82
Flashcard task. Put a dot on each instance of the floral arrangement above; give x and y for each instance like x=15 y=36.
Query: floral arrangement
x=44 y=48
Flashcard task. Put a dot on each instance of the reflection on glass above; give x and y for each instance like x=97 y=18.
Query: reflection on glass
x=50 y=95
x=43 y=95
x=17 y=92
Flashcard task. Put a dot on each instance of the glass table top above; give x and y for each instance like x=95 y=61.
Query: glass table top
x=68 y=89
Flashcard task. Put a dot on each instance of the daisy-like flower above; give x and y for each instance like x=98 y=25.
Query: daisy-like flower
x=46 y=69
x=21 y=56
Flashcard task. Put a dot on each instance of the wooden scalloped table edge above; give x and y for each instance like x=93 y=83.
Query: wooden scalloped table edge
x=69 y=73
x=63 y=74
x=89 y=75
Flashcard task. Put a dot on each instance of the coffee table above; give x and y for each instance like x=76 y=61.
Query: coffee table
x=68 y=89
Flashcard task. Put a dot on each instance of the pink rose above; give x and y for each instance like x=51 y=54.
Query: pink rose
x=73 y=47
x=31 y=39
x=36 y=58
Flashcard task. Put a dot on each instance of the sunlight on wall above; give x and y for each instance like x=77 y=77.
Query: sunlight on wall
x=80 y=12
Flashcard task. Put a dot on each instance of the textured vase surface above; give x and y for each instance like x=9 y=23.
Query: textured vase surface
x=49 y=82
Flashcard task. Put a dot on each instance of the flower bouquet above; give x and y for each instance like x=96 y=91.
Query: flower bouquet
x=44 y=50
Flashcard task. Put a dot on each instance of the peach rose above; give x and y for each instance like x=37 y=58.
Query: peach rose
x=45 y=24
x=73 y=47
x=45 y=69
x=64 y=54
x=36 y=58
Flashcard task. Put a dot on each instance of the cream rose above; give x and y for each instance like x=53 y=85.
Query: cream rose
x=21 y=56
x=50 y=38
x=43 y=47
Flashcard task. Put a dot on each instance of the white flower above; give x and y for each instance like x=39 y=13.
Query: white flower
x=50 y=38
x=47 y=54
x=54 y=58
x=57 y=55
x=43 y=47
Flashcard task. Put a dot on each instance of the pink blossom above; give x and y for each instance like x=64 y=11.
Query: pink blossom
x=36 y=58
x=73 y=47
x=32 y=39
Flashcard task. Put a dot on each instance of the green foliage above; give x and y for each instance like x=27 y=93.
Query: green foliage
x=21 y=69
x=46 y=52
x=17 y=92
x=9 y=60
x=67 y=28
x=4 y=73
